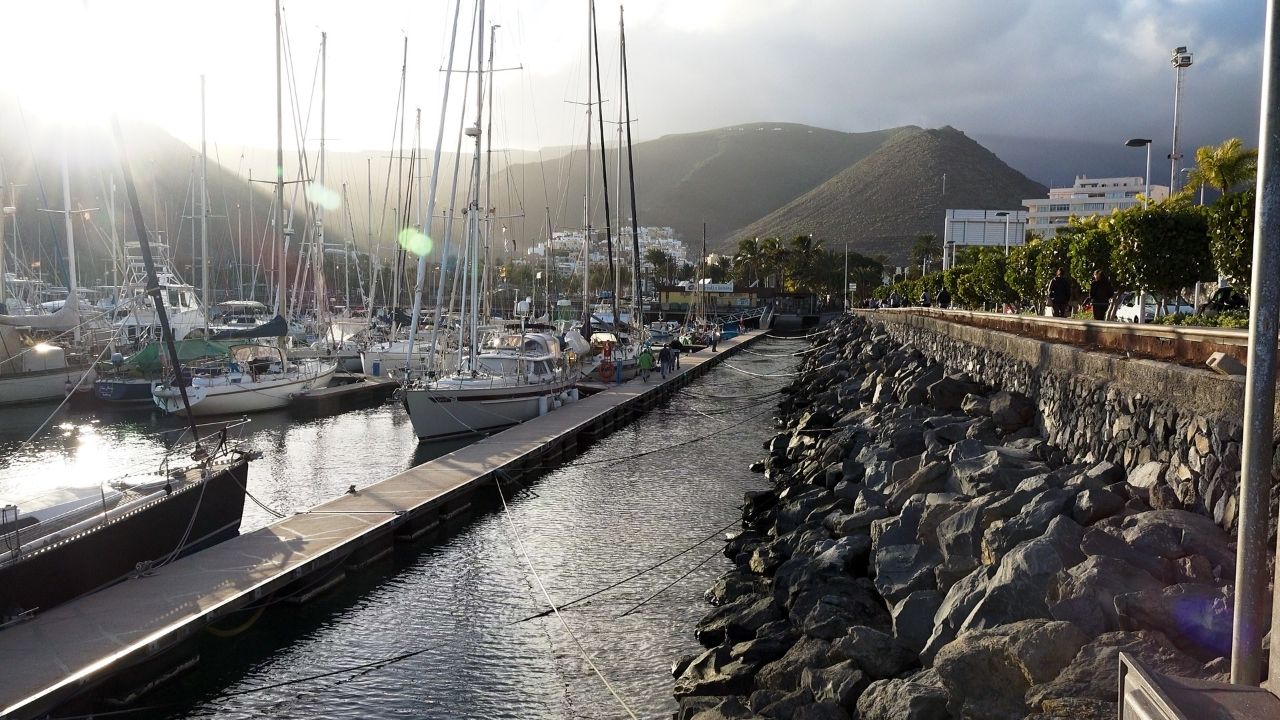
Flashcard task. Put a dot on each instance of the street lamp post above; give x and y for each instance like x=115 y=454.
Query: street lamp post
x=1005 y=214
x=1139 y=142
x=846 y=277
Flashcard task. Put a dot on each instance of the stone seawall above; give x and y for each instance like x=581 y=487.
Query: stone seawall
x=1175 y=430
x=925 y=552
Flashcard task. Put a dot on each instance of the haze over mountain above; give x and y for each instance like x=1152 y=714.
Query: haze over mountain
x=881 y=203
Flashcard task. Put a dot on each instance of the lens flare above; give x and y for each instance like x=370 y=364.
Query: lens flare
x=325 y=197
x=415 y=241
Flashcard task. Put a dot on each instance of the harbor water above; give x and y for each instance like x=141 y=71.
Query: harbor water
x=439 y=630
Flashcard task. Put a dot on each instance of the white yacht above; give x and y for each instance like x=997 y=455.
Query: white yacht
x=252 y=378
x=517 y=376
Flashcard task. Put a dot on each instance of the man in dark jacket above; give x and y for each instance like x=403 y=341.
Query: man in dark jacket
x=1100 y=293
x=1060 y=293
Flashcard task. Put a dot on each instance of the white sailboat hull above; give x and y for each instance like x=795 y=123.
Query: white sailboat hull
x=42 y=385
x=253 y=396
x=438 y=414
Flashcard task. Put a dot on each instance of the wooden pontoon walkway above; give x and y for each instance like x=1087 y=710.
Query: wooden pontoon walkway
x=72 y=648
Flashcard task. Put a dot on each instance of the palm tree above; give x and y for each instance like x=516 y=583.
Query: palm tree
x=804 y=258
x=926 y=248
x=773 y=255
x=746 y=261
x=1224 y=166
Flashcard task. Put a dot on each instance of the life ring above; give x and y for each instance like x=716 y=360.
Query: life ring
x=606 y=371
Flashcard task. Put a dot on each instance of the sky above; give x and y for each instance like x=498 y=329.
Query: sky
x=1060 y=70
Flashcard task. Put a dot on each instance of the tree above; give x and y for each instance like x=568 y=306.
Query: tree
x=1160 y=247
x=1055 y=254
x=1089 y=249
x=773 y=257
x=662 y=264
x=1231 y=236
x=746 y=261
x=986 y=282
x=802 y=261
x=1020 y=272
x=927 y=248
x=1224 y=166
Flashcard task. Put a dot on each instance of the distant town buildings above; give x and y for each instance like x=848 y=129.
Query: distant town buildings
x=1088 y=196
x=568 y=247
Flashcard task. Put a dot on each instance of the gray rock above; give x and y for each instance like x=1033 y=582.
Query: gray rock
x=913 y=618
x=781 y=705
x=1196 y=618
x=988 y=672
x=877 y=654
x=1172 y=534
x=1093 y=671
x=1085 y=594
x=1002 y=535
x=841 y=524
x=949 y=393
x=899 y=699
x=733 y=585
x=1017 y=589
x=956 y=606
x=1097 y=541
x=1011 y=411
x=903 y=569
x=784 y=673
x=821 y=711
x=1094 y=504
x=712 y=629
x=840 y=683
x=727 y=709
x=715 y=673
x=975 y=406
x=1147 y=475
x=762 y=649
x=828 y=611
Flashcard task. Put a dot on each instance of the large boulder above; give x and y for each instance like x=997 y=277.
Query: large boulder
x=949 y=392
x=1092 y=673
x=988 y=672
x=1173 y=534
x=1031 y=522
x=877 y=654
x=1011 y=411
x=955 y=608
x=715 y=672
x=903 y=700
x=903 y=569
x=1085 y=594
x=840 y=683
x=1099 y=542
x=1195 y=617
x=1018 y=588
x=784 y=673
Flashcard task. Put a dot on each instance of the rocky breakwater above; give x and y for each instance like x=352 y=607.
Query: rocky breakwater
x=923 y=553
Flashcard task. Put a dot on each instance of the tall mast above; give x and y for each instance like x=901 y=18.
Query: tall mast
x=636 y=303
x=431 y=206
x=317 y=247
x=604 y=171
x=73 y=294
x=279 y=234
x=475 y=188
x=586 y=210
x=486 y=290
x=204 y=215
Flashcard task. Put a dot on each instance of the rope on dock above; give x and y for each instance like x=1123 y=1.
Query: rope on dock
x=515 y=531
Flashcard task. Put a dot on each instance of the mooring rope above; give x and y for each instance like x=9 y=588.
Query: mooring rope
x=515 y=531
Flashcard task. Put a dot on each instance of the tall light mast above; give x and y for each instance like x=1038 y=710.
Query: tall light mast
x=1181 y=61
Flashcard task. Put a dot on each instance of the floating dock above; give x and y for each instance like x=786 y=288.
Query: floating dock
x=75 y=648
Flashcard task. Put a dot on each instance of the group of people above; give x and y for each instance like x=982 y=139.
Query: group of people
x=1100 y=294
x=668 y=359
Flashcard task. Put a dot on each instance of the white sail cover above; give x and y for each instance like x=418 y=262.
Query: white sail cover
x=574 y=341
x=66 y=318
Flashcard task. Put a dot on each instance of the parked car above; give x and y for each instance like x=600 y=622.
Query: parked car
x=1223 y=299
x=1128 y=308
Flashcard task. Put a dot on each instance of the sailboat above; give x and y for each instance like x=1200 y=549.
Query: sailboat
x=518 y=374
x=32 y=369
x=74 y=541
x=254 y=377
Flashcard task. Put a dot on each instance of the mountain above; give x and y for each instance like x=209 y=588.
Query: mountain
x=879 y=204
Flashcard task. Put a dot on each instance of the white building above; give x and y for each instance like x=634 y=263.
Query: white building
x=1088 y=196
x=991 y=228
x=570 y=242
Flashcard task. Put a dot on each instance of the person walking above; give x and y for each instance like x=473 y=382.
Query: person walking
x=645 y=361
x=715 y=337
x=1059 y=293
x=676 y=348
x=1100 y=293
x=944 y=298
x=664 y=361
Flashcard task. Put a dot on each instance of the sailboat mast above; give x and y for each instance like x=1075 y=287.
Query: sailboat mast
x=636 y=303
x=204 y=216
x=431 y=206
x=279 y=234
x=485 y=285
x=604 y=169
x=317 y=247
x=73 y=293
x=398 y=265
x=586 y=210
x=475 y=190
